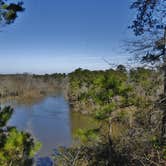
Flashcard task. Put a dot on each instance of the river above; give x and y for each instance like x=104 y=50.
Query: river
x=50 y=121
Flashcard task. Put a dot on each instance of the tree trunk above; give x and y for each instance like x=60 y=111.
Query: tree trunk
x=163 y=136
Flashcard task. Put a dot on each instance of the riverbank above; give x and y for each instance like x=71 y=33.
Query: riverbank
x=125 y=104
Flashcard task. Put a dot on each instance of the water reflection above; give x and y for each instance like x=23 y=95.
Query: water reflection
x=50 y=121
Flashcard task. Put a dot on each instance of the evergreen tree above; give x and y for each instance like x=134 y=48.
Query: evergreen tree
x=9 y=11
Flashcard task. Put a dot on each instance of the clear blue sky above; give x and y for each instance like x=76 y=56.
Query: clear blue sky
x=62 y=35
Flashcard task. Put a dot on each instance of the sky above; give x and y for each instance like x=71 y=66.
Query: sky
x=62 y=35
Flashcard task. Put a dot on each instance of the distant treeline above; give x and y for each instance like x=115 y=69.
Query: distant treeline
x=27 y=85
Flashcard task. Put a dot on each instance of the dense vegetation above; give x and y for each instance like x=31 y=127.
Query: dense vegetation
x=125 y=103
x=105 y=91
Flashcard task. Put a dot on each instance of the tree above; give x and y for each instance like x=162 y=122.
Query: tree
x=9 y=11
x=151 y=19
x=16 y=148
x=121 y=68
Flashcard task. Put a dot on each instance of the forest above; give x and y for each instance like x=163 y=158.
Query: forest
x=128 y=103
x=125 y=104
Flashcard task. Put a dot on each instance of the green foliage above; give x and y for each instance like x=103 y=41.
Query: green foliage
x=125 y=98
x=16 y=148
x=101 y=92
x=9 y=12
x=88 y=135
x=105 y=112
x=5 y=115
x=37 y=147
